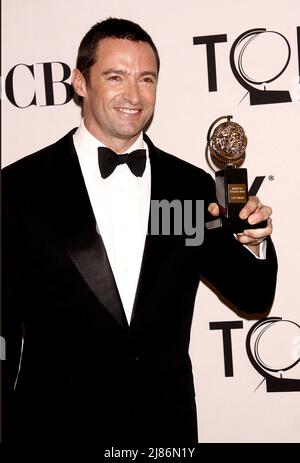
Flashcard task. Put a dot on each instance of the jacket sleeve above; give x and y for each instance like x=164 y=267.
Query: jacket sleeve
x=233 y=272
x=237 y=275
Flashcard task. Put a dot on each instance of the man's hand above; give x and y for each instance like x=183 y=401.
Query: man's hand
x=255 y=212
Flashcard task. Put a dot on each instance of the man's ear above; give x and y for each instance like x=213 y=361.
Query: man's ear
x=79 y=83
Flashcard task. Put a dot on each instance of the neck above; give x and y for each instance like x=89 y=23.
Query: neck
x=118 y=145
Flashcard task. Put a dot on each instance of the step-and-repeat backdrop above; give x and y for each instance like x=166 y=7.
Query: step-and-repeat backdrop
x=239 y=58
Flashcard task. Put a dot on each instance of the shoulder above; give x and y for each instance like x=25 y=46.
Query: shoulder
x=180 y=171
x=40 y=160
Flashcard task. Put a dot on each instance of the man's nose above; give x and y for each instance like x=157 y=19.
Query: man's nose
x=132 y=92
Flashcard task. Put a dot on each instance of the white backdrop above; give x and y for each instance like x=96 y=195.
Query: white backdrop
x=239 y=407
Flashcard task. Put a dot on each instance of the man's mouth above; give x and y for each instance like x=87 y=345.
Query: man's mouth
x=127 y=110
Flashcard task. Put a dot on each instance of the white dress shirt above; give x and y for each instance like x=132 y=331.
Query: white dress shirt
x=121 y=206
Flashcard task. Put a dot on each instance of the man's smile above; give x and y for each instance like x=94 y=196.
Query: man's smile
x=128 y=110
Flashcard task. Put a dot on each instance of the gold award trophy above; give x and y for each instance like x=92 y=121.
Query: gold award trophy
x=227 y=144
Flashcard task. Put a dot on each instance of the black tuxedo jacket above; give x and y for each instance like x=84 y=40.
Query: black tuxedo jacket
x=85 y=375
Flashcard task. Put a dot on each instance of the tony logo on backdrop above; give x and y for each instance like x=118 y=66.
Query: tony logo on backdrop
x=273 y=348
x=258 y=58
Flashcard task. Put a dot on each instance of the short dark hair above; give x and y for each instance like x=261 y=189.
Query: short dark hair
x=111 y=27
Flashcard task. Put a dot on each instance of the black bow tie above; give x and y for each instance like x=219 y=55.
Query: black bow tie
x=108 y=160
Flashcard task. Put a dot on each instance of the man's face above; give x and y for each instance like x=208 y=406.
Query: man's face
x=119 y=98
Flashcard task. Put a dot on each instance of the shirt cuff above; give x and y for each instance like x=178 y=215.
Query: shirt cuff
x=262 y=250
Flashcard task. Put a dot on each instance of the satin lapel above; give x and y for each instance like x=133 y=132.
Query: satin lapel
x=78 y=226
x=87 y=252
x=157 y=248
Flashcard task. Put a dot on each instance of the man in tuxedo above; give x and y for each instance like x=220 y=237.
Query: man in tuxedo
x=97 y=310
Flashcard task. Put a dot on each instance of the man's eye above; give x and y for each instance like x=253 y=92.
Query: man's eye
x=115 y=78
x=148 y=80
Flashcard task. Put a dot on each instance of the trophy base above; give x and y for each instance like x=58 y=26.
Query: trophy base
x=232 y=195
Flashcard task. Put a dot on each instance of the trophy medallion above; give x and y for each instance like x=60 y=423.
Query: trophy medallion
x=227 y=144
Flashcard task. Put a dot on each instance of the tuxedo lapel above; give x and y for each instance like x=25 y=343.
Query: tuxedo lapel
x=157 y=247
x=87 y=252
x=77 y=224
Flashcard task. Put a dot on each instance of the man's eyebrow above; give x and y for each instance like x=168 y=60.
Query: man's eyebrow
x=121 y=72
x=113 y=71
x=149 y=73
